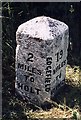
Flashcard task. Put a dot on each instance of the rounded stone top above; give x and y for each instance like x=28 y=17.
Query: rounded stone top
x=42 y=27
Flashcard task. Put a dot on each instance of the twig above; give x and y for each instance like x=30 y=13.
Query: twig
x=59 y=106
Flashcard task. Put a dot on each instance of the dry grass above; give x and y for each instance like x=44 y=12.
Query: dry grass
x=52 y=113
x=73 y=75
x=61 y=111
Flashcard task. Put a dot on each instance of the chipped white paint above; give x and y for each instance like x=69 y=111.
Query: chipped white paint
x=41 y=58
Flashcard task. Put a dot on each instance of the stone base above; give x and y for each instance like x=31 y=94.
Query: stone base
x=57 y=89
x=46 y=104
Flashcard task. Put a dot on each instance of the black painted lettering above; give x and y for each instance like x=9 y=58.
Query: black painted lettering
x=49 y=58
x=31 y=90
x=32 y=79
x=58 y=77
x=48 y=67
x=21 y=66
x=26 y=88
x=59 y=55
x=58 y=68
x=47 y=80
x=49 y=61
x=63 y=63
x=37 y=91
x=30 y=57
x=39 y=72
x=47 y=85
x=48 y=75
x=20 y=85
x=54 y=71
x=33 y=70
x=26 y=77
x=29 y=69
x=47 y=89
x=25 y=67
x=48 y=71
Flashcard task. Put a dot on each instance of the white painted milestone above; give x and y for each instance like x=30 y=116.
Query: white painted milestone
x=41 y=58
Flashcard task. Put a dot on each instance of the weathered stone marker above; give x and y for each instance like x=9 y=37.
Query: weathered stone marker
x=41 y=58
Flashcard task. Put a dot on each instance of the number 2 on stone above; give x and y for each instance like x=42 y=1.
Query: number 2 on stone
x=59 y=55
x=30 y=56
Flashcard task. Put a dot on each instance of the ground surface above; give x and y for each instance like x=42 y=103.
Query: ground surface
x=66 y=103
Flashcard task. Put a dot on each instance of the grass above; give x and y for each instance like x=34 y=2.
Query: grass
x=65 y=105
x=73 y=75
